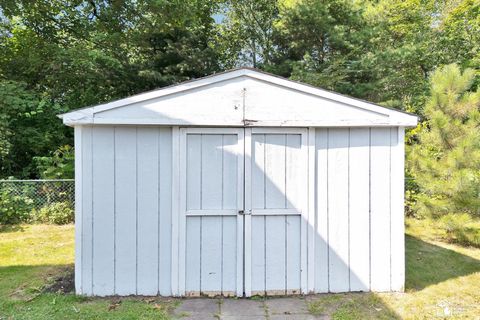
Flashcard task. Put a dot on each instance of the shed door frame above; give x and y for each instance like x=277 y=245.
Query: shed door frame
x=244 y=203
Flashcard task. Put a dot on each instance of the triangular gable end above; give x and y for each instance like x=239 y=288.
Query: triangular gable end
x=241 y=97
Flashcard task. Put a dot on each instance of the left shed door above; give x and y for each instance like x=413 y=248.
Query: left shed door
x=211 y=182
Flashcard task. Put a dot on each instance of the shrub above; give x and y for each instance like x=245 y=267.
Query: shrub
x=462 y=229
x=14 y=209
x=55 y=213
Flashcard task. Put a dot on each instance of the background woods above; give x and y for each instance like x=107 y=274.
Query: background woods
x=421 y=56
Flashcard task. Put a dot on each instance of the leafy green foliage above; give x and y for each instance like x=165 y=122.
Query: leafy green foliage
x=59 y=55
x=247 y=33
x=383 y=51
x=58 y=166
x=56 y=56
x=55 y=213
x=28 y=126
x=446 y=161
x=14 y=209
x=324 y=42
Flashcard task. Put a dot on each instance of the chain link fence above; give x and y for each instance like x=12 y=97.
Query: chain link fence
x=39 y=193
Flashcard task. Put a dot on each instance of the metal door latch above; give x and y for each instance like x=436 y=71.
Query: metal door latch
x=244 y=212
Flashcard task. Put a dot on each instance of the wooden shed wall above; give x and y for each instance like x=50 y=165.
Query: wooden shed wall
x=359 y=238
x=124 y=211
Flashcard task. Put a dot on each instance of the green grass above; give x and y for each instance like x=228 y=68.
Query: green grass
x=31 y=256
x=442 y=282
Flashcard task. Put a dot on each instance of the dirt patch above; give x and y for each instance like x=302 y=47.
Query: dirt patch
x=63 y=283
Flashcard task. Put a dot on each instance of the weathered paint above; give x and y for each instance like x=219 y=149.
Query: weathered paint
x=125 y=237
x=242 y=97
x=124 y=212
x=275 y=187
x=359 y=237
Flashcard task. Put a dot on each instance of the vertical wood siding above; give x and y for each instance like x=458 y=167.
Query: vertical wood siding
x=103 y=269
x=338 y=220
x=397 y=193
x=125 y=240
x=126 y=211
x=125 y=208
x=359 y=242
x=87 y=209
x=359 y=209
x=78 y=209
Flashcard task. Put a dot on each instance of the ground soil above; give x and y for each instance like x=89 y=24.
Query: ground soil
x=63 y=283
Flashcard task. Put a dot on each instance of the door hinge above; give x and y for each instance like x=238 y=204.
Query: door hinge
x=249 y=122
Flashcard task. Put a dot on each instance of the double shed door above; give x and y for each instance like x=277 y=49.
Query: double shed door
x=243 y=211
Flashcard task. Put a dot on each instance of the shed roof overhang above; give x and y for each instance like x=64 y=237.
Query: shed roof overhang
x=241 y=97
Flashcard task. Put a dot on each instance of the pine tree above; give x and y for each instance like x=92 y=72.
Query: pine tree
x=446 y=161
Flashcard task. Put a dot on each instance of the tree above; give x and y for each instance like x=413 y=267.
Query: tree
x=28 y=127
x=446 y=161
x=63 y=54
x=247 y=32
x=323 y=42
x=460 y=34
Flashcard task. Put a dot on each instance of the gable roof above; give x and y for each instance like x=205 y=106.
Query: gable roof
x=241 y=97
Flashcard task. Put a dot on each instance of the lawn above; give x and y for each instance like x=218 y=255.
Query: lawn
x=32 y=257
x=443 y=281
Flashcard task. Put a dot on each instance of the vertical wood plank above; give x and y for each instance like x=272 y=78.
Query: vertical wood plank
x=78 y=209
x=230 y=171
x=212 y=168
x=125 y=210
x=359 y=209
x=211 y=255
x=241 y=268
x=178 y=221
x=293 y=254
x=311 y=212
x=397 y=209
x=194 y=171
x=275 y=254
x=303 y=186
x=258 y=255
x=275 y=171
x=193 y=256
x=87 y=210
x=165 y=206
x=294 y=167
x=229 y=255
x=258 y=171
x=244 y=269
x=321 y=223
x=147 y=211
x=103 y=213
x=295 y=180
x=338 y=209
x=243 y=223
x=380 y=209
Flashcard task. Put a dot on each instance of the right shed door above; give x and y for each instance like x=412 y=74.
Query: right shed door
x=276 y=187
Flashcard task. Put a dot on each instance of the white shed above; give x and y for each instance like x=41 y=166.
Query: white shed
x=240 y=183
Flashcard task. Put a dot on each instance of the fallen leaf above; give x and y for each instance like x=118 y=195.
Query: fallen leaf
x=157 y=306
x=113 y=305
